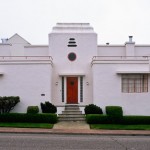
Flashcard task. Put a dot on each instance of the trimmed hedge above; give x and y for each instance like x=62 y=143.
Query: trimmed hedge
x=136 y=120
x=92 y=109
x=30 y=118
x=32 y=110
x=127 y=120
x=115 y=113
x=97 y=119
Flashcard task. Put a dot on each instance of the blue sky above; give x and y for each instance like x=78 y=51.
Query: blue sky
x=113 y=20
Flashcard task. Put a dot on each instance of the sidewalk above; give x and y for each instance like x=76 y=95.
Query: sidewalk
x=75 y=128
x=76 y=131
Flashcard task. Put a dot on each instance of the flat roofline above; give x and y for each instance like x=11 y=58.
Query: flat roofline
x=35 y=46
x=112 y=45
x=121 y=45
x=73 y=23
x=133 y=72
x=71 y=74
x=142 y=45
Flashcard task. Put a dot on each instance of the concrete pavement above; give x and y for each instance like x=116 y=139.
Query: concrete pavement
x=79 y=128
x=75 y=131
x=72 y=125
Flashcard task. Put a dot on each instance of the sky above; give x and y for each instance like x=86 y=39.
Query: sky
x=112 y=20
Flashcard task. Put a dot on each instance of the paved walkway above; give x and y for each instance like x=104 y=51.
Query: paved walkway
x=71 y=125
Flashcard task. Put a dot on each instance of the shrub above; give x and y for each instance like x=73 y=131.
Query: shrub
x=48 y=108
x=92 y=109
x=135 y=120
x=97 y=119
x=127 y=120
x=8 y=103
x=33 y=109
x=115 y=113
x=29 y=118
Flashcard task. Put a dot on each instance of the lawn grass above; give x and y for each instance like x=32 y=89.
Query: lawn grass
x=27 y=125
x=119 y=127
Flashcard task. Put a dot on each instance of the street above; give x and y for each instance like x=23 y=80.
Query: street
x=72 y=142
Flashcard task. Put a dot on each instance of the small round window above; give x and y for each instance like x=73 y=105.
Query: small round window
x=71 y=56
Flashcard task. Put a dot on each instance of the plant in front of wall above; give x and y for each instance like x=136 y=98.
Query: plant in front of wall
x=115 y=113
x=92 y=109
x=32 y=110
x=48 y=107
x=7 y=103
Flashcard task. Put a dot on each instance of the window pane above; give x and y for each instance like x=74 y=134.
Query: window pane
x=134 y=83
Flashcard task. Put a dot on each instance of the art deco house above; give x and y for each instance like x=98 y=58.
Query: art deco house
x=74 y=69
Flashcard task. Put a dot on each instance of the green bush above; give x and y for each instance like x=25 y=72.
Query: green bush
x=127 y=120
x=48 y=108
x=8 y=103
x=33 y=109
x=97 y=119
x=115 y=113
x=92 y=109
x=133 y=120
x=30 y=118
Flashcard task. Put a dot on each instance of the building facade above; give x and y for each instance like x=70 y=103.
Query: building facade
x=74 y=69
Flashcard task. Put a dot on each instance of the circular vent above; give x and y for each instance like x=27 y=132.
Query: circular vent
x=72 y=56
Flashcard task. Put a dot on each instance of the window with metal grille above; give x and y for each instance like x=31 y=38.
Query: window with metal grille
x=62 y=89
x=134 y=83
x=81 y=89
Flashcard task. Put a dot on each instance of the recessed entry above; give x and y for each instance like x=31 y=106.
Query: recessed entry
x=72 y=42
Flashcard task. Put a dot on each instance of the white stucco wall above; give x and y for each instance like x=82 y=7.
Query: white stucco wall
x=142 y=50
x=17 y=45
x=84 y=51
x=36 y=50
x=28 y=80
x=5 y=49
x=111 y=50
x=107 y=88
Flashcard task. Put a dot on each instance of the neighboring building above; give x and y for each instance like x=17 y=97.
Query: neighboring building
x=73 y=69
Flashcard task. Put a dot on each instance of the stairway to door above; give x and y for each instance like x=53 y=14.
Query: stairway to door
x=71 y=113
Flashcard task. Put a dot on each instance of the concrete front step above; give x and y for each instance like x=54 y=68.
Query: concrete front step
x=72 y=108
x=71 y=119
x=71 y=115
x=71 y=105
x=72 y=112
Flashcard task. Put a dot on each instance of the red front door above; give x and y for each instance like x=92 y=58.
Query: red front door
x=72 y=90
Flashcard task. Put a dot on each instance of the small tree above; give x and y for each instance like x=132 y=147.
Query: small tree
x=8 y=103
x=48 y=107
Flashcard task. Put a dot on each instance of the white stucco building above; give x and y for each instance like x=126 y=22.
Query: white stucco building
x=74 y=69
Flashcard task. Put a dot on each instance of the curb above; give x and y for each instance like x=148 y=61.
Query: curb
x=76 y=132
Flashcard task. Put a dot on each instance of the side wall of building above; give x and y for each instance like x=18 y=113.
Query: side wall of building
x=28 y=80
x=107 y=88
x=36 y=50
x=5 y=49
